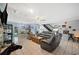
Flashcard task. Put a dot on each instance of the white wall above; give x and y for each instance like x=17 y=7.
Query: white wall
x=43 y=13
x=46 y=12
x=75 y=25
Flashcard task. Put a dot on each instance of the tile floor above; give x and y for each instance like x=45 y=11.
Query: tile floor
x=30 y=48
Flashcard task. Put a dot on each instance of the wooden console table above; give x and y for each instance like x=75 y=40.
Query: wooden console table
x=76 y=36
x=36 y=39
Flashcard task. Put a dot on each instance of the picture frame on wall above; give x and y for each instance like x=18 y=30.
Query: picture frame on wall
x=63 y=26
x=73 y=29
x=70 y=26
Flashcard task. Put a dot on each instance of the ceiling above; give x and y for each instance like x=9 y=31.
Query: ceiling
x=42 y=12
